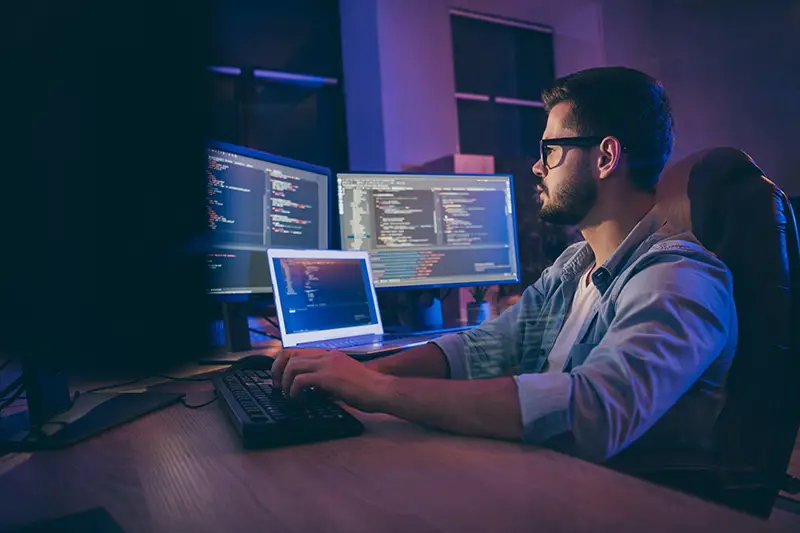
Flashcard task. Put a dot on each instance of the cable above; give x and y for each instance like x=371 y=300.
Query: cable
x=264 y=333
x=23 y=397
x=134 y=381
x=174 y=378
x=115 y=385
x=4 y=365
x=273 y=323
x=11 y=387
x=14 y=396
x=198 y=406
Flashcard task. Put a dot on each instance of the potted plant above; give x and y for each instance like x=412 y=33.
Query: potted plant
x=478 y=310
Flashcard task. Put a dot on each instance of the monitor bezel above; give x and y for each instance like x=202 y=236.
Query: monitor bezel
x=290 y=340
x=244 y=295
x=430 y=286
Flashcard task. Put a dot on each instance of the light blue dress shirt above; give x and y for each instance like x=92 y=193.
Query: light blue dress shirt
x=651 y=358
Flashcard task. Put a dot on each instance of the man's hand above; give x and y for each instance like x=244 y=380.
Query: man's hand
x=485 y=407
x=337 y=374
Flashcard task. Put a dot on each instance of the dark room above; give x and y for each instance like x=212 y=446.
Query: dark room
x=409 y=266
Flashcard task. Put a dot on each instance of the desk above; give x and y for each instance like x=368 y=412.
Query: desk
x=184 y=470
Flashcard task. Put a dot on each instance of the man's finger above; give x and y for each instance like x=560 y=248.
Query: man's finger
x=302 y=382
x=299 y=364
x=279 y=364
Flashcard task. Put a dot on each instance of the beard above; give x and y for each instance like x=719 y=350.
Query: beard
x=569 y=204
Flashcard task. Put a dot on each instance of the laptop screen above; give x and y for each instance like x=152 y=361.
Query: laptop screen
x=324 y=293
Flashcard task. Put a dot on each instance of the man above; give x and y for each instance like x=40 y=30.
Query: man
x=627 y=333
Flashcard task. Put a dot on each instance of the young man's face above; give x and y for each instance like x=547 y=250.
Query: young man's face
x=568 y=189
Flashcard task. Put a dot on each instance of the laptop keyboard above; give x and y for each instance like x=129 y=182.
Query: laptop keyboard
x=337 y=344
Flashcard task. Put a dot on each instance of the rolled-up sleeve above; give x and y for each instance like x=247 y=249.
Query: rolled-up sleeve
x=544 y=404
x=493 y=348
x=673 y=319
x=453 y=349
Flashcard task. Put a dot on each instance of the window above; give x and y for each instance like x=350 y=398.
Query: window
x=276 y=77
x=501 y=67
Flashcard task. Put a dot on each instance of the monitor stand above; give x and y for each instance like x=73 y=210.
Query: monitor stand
x=51 y=421
x=237 y=327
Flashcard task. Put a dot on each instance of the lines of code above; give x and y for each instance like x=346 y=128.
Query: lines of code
x=405 y=218
x=319 y=294
x=254 y=204
x=424 y=230
x=236 y=196
x=358 y=219
x=308 y=280
x=215 y=189
x=405 y=265
x=292 y=209
x=466 y=216
x=217 y=261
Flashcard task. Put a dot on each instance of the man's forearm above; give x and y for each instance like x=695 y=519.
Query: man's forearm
x=426 y=361
x=481 y=408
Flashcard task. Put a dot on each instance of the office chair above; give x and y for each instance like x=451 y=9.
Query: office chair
x=723 y=197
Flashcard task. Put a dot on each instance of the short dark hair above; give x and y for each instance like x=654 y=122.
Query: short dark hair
x=623 y=103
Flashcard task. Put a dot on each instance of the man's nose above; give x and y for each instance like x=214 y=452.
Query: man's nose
x=538 y=168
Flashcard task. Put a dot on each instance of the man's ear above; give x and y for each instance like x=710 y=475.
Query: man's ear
x=610 y=154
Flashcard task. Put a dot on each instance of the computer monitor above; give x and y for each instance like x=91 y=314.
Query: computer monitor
x=431 y=230
x=256 y=201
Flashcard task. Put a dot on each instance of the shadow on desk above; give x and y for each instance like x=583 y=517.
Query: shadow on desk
x=91 y=521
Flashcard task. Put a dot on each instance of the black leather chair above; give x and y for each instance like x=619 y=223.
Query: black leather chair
x=723 y=197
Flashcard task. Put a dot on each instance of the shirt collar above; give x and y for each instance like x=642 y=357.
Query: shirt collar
x=603 y=274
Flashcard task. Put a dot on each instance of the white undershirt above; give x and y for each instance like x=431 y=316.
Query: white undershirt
x=585 y=296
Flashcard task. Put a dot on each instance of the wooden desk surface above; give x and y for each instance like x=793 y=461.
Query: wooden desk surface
x=184 y=470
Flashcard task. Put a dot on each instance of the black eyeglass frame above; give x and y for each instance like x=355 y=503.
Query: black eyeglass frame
x=582 y=142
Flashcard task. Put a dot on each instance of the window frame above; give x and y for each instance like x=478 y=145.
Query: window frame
x=503 y=100
x=489 y=98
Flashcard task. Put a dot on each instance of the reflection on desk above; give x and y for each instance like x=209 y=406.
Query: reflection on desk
x=183 y=470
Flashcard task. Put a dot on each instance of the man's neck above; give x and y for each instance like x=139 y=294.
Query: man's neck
x=605 y=236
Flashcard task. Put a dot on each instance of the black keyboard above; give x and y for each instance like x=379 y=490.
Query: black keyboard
x=266 y=417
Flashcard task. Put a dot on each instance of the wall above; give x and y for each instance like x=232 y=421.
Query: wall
x=730 y=66
x=398 y=70
x=418 y=81
x=399 y=85
x=732 y=70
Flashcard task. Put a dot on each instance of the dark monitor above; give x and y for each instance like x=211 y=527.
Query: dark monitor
x=257 y=201
x=431 y=230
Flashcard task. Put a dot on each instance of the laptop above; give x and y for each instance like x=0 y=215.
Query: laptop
x=326 y=299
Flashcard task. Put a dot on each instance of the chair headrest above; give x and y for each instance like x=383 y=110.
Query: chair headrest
x=695 y=193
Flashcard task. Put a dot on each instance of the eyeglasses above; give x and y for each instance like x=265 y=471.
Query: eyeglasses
x=550 y=153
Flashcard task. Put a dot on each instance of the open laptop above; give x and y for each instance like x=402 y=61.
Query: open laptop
x=326 y=299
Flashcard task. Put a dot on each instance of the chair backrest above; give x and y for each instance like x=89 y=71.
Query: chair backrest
x=725 y=199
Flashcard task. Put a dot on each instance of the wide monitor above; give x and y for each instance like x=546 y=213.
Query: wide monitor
x=256 y=201
x=431 y=230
